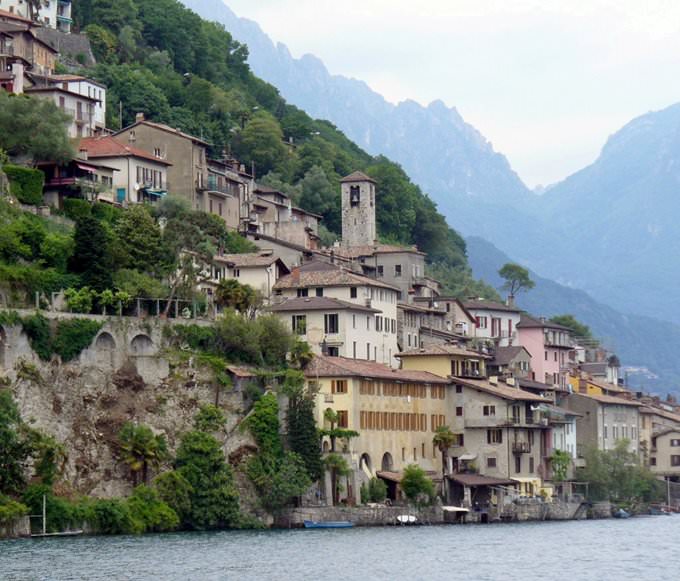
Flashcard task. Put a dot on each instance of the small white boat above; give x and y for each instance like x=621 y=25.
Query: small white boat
x=407 y=519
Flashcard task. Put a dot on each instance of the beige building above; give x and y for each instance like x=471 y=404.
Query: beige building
x=504 y=435
x=376 y=333
x=186 y=154
x=258 y=270
x=395 y=413
x=445 y=360
x=664 y=458
x=228 y=191
x=604 y=420
x=652 y=421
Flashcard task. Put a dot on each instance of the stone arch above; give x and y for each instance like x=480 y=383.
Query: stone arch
x=105 y=347
x=387 y=463
x=142 y=345
x=326 y=447
x=365 y=463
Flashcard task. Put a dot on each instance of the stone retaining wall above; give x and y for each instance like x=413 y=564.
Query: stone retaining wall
x=362 y=516
x=20 y=527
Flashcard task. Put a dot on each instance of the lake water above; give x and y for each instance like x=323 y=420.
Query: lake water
x=636 y=549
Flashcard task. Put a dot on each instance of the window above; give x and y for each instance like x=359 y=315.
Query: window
x=458 y=440
x=343 y=419
x=459 y=411
x=531 y=464
x=333 y=351
x=489 y=410
x=339 y=386
x=459 y=389
x=545 y=355
x=409 y=339
x=515 y=414
x=494 y=436
x=302 y=292
x=381 y=271
x=237 y=273
x=491 y=462
x=330 y=323
x=354 y=321
x=368 y=351
x=518 y=464
x=354 y=349
x=299 y=324
x=368 y=322
x=422 y=450
x=354 y=196
x=378 y=323
x=675 y=443
x=675 y=460
x=555 y=355
x=319 y=291
x=352 y=292
x=605 y=431
x=482 y=322
x=397 y=270
x=157 y=152
x=652 y=461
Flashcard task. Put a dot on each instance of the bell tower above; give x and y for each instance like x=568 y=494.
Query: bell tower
x=358 y=210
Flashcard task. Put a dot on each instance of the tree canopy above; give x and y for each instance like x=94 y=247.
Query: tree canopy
x=516 y=277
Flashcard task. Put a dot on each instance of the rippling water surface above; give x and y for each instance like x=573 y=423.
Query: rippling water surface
x=637 y=549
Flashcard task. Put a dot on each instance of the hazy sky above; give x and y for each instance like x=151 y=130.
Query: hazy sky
x=546 y=81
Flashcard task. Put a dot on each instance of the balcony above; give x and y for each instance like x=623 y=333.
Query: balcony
x=521 y=448
x=80 y=117
x=6 y=49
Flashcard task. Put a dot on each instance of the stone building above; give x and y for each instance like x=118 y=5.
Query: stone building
x=358 y=210
x=664 y=454
x=188 y=174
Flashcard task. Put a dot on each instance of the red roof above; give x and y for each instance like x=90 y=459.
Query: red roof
x=11 y=16
x=108 y=147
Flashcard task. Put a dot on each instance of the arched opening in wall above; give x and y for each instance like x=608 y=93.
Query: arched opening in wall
x=365 y=464
x=142 y=345
x=387 y=462
x=3 y=347
x=105 y=347
x=326 y=447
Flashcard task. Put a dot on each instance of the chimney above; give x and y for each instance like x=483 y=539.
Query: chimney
x=139 y=117
x=510 y=302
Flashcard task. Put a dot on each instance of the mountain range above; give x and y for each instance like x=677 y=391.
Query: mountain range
x=608 y=229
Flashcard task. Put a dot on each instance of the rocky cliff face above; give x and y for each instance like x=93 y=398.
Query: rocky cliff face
x=127 y=374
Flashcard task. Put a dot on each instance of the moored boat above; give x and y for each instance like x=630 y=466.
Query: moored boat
x=328 y=524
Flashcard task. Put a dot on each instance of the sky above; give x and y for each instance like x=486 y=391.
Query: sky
x=545 y=81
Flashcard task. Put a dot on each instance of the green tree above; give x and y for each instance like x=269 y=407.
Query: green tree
x=231 y=294
x=373 y=491
x=138 y=240
x=13 y=449
x=209 y=418
x=516 y=278
x=303 y=435
x=320 y=196
x=444 y=439
x=91 y=257
x=140 y=449
x=337 y=466
x=416 y=485
x=33 y=128
x=263 y=424
x=175 y=491
x=560 y=462
x=214 y=498
x=262 y=143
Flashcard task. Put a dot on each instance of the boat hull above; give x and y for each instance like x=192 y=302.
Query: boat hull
x=337 y=524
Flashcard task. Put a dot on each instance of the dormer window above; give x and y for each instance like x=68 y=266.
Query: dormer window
x=354 y=196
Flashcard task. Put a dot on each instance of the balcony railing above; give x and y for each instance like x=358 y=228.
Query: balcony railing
x=521 y=448
x=79 y=116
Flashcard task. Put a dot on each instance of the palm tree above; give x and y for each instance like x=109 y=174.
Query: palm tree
x=141 y=448
x=338 y=467
x=443 y=439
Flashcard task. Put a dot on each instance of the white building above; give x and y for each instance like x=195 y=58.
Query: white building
x=259 y=270
x=86 y=88
x=139 y=176
x=81 y=108
x=371 y=333
x=50 y=13
x=494 y=320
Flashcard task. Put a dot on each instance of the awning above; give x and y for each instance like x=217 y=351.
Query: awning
x=392 y=476
x=480 y=480
x=455 y=509
x=467 y=457
x=86 y=167
x=158 y=193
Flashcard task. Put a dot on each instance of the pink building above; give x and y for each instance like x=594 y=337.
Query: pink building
x=549 y=345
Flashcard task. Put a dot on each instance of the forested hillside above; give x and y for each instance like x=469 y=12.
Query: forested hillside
x=159 y=58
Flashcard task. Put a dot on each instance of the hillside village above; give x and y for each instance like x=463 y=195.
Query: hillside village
x=474 y=391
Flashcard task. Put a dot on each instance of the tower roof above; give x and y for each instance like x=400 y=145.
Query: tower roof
x=357 y=176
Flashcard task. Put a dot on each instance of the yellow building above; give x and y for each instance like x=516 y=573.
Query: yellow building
x=445 y=360
x=588 y=386
x=394 y=411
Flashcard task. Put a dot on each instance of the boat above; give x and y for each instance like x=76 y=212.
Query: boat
x=407 y=519
x=621 y=514
x=328 y=524
x=59 y=534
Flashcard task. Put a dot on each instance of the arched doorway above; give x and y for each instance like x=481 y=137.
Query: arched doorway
x=142 y=345
x=105 y=347
x=387 y=462
x=365 y=464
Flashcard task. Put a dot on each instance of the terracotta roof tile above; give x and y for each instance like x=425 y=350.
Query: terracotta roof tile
x=301 y=304
x=442 y=349
x=608 y=399
x=325 y=366
x=370 y=250
x=502 y=391
x=476 y=304
x=109 y=147
x=357 y=176
x=323 y=274
x=247 y=259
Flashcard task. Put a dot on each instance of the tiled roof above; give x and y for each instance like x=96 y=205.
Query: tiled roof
x=659 y=412
x=325 y=366
x=247 y=259
x=608 y=386
x=371 y=249
x=319 y=274
x=109 y=147
x=504 y=355
x=301 y=304
x=442 y=349
x=242 y=370
x=165 y=128
x=608 y=399
x=528 y=322
x=664 y=431
x=17 y=17
x=357 y=176
x=477 y=304
x=502 y=391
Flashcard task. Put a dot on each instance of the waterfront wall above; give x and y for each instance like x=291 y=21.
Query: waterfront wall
x=20 y=527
